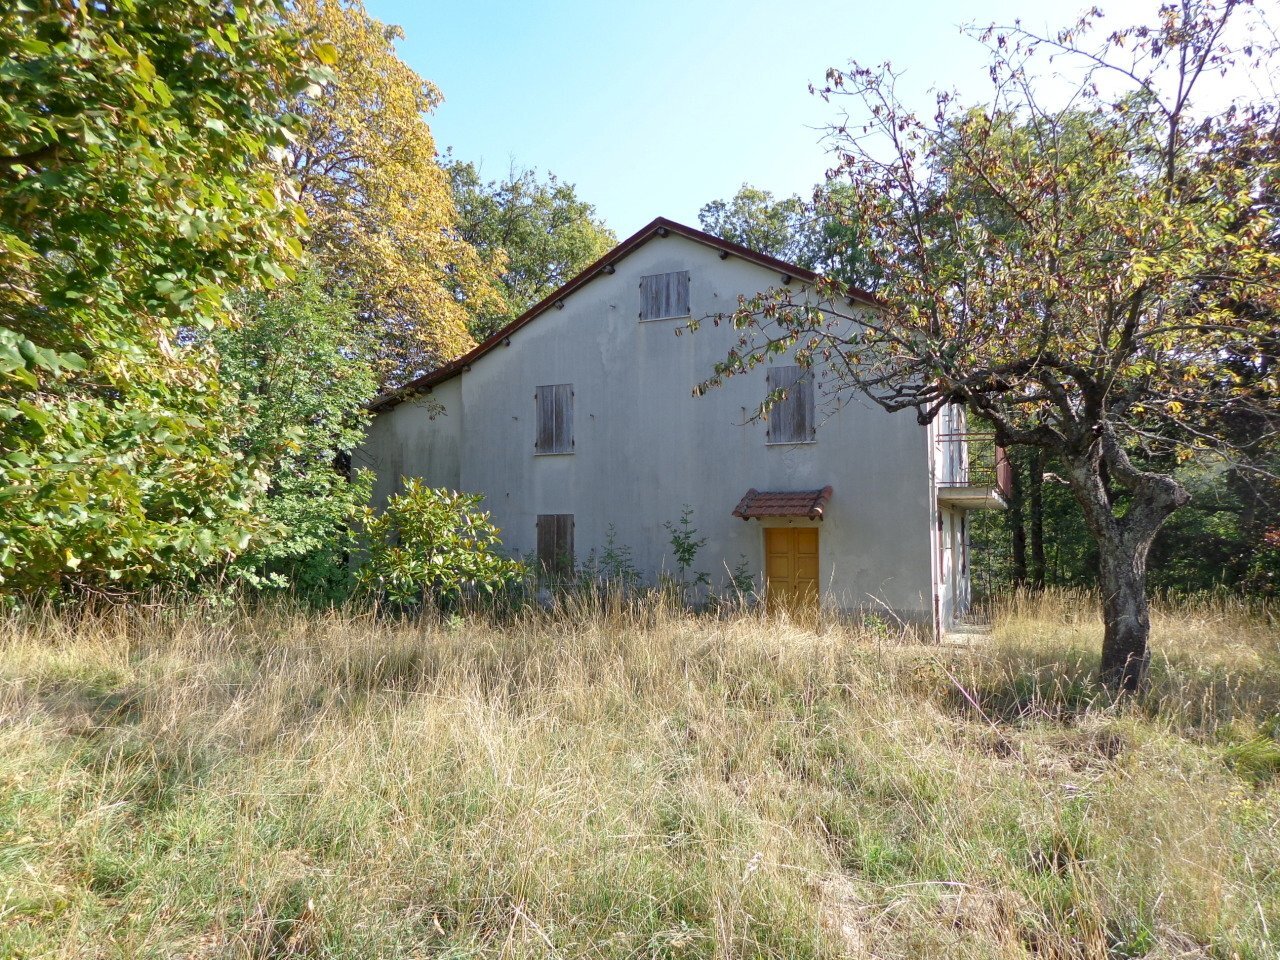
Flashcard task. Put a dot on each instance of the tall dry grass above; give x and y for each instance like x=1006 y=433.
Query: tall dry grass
x=630 y=781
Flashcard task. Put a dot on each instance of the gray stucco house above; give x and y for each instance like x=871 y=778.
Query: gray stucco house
x=581 y=415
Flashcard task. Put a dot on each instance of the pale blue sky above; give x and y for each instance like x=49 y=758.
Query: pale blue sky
x=656 y=108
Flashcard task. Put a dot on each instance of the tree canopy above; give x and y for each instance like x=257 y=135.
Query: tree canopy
x=784 y=228
x=383 y=221
x=816 y=234
x=137 y=189
x=301 y=378
x=534 y=235
x=1076 y=272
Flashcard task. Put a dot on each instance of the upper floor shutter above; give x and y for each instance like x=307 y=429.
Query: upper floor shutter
x=554 y=404
x=792 y=419
x=664 y=295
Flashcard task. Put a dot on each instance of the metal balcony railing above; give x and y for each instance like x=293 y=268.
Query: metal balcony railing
x=974 y=460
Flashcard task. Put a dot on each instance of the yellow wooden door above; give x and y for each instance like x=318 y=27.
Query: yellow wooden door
x=791 y=566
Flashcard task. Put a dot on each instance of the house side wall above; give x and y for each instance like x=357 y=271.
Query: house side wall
x=418 y=438
x=644 y=445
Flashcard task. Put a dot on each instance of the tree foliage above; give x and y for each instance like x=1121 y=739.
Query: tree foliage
x=384 y=225
x=816 y=234
x=435 y=546
x=136 y=187
x=784 y=228
x=1073 y=273
x=533 y=234
x=302 y=379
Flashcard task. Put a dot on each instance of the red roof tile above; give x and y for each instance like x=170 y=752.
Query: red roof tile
x=783 y=503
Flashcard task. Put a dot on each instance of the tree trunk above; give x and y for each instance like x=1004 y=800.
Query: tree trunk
x=1125 y=653
x=1037 y=518
x=1123 y=533
x=1018 y=532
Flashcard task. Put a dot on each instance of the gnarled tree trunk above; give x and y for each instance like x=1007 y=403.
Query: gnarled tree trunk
x=1126 y=616
x=1124 y=534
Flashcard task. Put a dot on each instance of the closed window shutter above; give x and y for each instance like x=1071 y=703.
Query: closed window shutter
x=554 y=404
x=793 y=418
x=802 y=421
x=564 y=417
x=555 y=544
x=564 y=544
x=664 y=295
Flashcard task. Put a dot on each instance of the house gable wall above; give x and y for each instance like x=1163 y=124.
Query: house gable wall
x=644 y=445
x=421 y=437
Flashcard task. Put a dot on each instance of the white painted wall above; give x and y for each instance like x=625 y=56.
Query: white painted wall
x=421 y=437
x=644 y=445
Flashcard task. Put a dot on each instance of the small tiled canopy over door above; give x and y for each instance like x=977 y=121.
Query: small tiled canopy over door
x=790 y=566
x=664 y=295
x=555 y=418
x=791 y=419
x=555 y=544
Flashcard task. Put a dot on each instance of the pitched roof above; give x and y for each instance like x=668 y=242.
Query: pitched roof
x=783 y=503
x=660 y=227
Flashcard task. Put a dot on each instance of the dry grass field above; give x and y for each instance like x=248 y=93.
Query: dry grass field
x=182 y=780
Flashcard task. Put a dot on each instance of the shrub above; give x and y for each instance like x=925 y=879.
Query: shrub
x=686 y=544
x=302 y=378
x=433 y=545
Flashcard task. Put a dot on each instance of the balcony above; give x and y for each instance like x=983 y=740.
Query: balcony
x=972 y=472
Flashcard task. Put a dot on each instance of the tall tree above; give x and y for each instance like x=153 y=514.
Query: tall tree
x=534 y=235
x=136 y=189
x=1071 y=273
x=817 y=234
x=383 y=221
x=1015 y=521
x=786 y=228
x=302 y=377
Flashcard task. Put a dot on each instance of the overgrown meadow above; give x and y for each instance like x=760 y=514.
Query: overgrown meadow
x=632 y=780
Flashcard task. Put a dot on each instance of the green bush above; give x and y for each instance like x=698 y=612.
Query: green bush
x=434 y=545
x=302 y=377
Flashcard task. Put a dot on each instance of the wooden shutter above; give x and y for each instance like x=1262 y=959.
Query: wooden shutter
x=555 y=544
x=554 y=404
x=792 y=419
x=664 y=295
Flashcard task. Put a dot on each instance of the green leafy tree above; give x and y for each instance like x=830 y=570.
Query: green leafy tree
x=1073 y=274
x=303 y=378
x=137 y=186
x=534 y=234
x=784 y=228
x=821 y=234
x=432 y=545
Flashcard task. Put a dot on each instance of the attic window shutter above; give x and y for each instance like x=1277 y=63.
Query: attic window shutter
x=554 y=404
x=792 y=419
x=664 y=295
x=555 y=545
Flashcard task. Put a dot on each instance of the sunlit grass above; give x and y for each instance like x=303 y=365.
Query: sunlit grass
x=184 y=780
